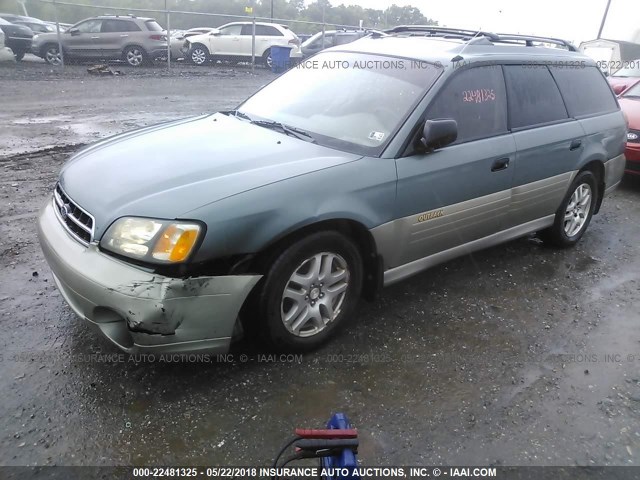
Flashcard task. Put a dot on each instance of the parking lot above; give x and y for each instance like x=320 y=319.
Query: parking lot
x=517 y=355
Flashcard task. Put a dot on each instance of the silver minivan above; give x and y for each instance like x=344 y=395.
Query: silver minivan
x=364 y=165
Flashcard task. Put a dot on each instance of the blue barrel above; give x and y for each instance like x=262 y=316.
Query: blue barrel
x=280 y=58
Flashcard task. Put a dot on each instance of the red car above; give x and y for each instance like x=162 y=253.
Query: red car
x=630 y=104
x=626 y=77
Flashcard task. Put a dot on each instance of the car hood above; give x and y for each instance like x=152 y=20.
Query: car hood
x=631 y=108
x=620 y=84
x=17 y=30
x=168 y=170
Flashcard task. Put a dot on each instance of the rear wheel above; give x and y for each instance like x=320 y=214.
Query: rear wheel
x=198 y=54
x=19 y=55
x=135 y=56
x=575 y=212
x=309 y=291
x=267 y=61
x=51 y=54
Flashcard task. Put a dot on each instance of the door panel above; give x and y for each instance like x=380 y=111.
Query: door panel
x=543 y=169
x=82 y=44
x=450 y=197
x=548 y=143
x=461 y=192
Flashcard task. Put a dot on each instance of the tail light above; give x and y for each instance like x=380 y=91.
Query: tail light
x=158 y=37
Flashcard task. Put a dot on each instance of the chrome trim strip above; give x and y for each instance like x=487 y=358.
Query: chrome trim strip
x=59 y=203
x=396 y=274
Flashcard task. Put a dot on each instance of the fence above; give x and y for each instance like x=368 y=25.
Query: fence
x=169 y=13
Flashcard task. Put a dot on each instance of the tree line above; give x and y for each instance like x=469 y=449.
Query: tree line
x=295 y=11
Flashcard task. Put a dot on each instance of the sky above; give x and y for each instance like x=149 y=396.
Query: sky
x=574 y=20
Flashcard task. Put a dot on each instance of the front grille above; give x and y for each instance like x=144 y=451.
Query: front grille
x=77 y=221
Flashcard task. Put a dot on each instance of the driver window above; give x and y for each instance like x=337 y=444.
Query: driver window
x=90 y=26
x=476 y=99
x=231 y=30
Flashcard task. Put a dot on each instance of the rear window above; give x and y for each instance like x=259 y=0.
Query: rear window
x=534 y=98
x=585 y=91
x=153 y=26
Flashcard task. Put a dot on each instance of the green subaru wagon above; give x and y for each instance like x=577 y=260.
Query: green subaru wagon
x=361 y=166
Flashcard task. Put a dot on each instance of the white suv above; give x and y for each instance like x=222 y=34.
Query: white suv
x=233 y=42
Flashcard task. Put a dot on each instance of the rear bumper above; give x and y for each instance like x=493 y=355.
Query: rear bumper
x=140 y=311
x=632 y=153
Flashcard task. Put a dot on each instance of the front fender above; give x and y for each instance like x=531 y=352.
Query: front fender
x=363 y=191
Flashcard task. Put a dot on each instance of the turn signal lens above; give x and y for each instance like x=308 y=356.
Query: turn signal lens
x=176 y=242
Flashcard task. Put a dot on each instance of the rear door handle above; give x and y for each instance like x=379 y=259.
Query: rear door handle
x=576 y=144
x=124 y=35
x=500 y=164
x=95 y=38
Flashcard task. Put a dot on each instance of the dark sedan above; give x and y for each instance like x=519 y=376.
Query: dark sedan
x=630 y=104
x=17 y=38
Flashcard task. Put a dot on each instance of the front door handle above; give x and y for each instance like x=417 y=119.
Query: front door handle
x=576 y=144
x=124 y=35
x=500 y=164
x=95 y=38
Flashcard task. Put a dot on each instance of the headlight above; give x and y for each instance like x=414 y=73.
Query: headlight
x=632 y=136
x=150 y=240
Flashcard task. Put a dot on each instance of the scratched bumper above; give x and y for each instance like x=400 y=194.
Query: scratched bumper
x=137 y=310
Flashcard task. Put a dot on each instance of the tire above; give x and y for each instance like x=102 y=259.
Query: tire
x=575 y=212
x=135 y=56
x=51 y=54
x=294 y=316
x=198 y=54
x=267 y=61
x=19 y=55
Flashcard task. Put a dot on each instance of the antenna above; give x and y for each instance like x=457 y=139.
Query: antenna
x=458 y=57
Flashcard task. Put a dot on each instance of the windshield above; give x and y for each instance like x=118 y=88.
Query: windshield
x=633 y=91
x=631 y=70
x=348 y=101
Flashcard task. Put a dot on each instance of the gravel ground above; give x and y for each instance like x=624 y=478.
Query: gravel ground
x=517 y=355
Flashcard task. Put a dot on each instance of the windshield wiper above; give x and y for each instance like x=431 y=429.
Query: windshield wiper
x=291 y=131
x=237 y=113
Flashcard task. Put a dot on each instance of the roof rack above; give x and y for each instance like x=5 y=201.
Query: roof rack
x=529 y=39
x=431 y=31
x=473 y=35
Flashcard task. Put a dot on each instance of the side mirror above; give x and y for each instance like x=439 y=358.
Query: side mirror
x=74 y=31
x=439 y=133
x=214 y=32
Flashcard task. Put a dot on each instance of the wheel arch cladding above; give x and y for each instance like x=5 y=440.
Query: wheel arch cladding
x=596 y=166
x=352 y=229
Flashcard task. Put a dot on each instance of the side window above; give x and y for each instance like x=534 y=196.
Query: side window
x=90 y=26
x=267 y=31
x=232 y=30
x=534 y=98
x=476 y=100
x=119 y=26
x=585 y=91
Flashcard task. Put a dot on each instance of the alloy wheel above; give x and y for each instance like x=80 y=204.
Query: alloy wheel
x=577 y=212
x=314 y=295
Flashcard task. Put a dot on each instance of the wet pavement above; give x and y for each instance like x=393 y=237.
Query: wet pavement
x=517 y=355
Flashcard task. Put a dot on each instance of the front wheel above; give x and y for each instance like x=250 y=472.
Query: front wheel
x=51 y=54
x=575 y=212
x=19 y=55
x=198 y=54
x=309 y=291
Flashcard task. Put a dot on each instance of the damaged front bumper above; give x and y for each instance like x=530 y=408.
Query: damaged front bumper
x=140 y=311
